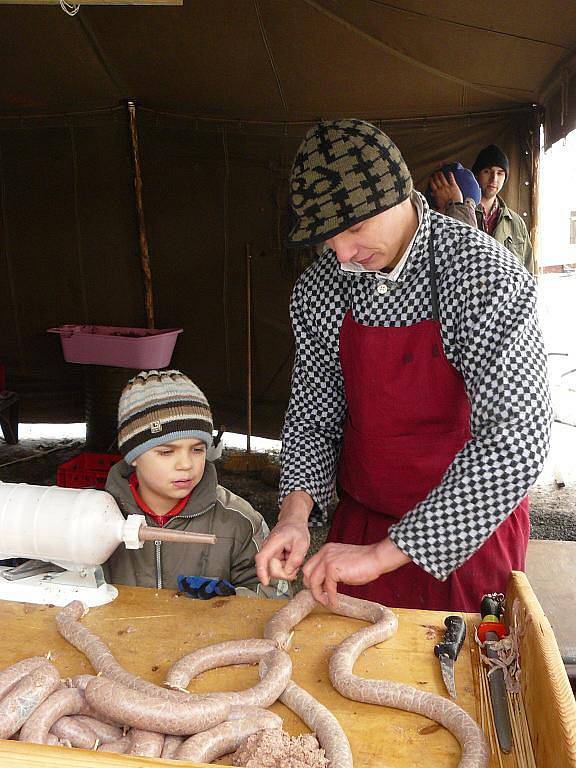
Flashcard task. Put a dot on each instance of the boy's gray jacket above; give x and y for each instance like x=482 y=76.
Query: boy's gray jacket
x=239 y=529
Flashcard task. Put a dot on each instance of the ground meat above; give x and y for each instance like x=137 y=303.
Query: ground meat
x=276 y=749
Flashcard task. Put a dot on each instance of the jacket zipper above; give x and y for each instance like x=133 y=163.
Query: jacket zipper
x=158 y=546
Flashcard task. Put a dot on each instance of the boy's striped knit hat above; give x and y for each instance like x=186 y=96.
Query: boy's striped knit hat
x=157 y=407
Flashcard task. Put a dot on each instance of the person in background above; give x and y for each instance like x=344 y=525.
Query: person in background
x=165 y=436
x=491 y=169
x=454 y=191
x=419 y=383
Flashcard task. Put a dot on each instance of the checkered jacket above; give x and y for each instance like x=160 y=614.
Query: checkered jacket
x=491 y=335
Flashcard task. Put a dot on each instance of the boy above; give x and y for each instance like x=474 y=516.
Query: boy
x=164 y=436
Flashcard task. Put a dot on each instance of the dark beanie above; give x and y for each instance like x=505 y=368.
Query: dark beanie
x=490 y=156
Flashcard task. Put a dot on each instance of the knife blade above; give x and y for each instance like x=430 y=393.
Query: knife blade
x=490 y=631
x=448 y=650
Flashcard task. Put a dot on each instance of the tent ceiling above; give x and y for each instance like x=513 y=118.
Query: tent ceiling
x=284 y=60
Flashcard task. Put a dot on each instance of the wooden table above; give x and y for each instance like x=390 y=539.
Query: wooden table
x=147 y=630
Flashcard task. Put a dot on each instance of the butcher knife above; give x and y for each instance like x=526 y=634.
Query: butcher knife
x=448 y=650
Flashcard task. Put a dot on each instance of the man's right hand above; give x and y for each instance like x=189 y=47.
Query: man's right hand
x=284 y=550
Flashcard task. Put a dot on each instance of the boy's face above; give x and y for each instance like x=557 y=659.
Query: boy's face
x=170 y=472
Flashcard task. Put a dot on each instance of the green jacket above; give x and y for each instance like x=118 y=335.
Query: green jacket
x=511 y=231
x=239 y=529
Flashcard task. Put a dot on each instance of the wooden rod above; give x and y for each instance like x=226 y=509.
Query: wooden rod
x=142 y=238
x=147 y=533
x=248 y=346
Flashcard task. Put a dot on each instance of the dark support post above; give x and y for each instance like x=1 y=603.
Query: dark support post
x=248 y=345
x=142 y=238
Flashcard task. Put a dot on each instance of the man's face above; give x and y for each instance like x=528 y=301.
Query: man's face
x=378 y=242
x=491 y=181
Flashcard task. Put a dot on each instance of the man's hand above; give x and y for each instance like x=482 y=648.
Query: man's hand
x=284 y=550
x=350 y=564
x=445 y=189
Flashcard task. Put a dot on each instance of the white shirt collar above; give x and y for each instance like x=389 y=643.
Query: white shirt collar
x=352 y=266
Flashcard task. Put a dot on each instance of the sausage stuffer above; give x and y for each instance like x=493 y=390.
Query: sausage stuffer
x=66 y=534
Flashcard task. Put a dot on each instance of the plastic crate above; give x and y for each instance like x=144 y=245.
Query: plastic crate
x=87 y=470
x=117 y=346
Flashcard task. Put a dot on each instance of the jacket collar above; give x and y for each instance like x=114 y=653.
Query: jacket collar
x=504 y=210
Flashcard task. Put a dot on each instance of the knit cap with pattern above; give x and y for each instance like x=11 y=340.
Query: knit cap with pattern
x=345 y=171
x=157 y=407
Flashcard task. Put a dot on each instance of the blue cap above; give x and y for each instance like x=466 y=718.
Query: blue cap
x=465 y=180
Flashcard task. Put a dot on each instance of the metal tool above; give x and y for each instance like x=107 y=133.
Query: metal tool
x=490 y=631
x=448 y=650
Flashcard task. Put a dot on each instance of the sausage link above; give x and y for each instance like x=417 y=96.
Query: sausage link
x=24 y=697
x=145 y=743
x=79 y=681
x=322 y=722
x=213 y=656
x=76 y=733
x=121 y=746
x=138 y=710
x=279 y=626
x=225 y=738
x=11 y=675
x=104 y=731
x=242 y=713
x=68 y=701
x=262 y=694
x=101 y=657
x=171 y=744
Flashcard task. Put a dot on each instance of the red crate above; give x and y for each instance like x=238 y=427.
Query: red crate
x=87 y=470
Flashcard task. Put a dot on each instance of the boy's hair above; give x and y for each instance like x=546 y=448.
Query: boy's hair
x=157 y=407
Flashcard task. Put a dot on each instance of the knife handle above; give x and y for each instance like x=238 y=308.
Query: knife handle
x=492 y=605
x=453 y=637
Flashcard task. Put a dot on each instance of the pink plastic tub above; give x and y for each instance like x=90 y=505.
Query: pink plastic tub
x=115 y=346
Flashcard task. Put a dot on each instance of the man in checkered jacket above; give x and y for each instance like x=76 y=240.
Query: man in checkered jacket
x=419 y=386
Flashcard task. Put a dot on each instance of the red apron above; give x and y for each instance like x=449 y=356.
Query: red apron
x=408 y=416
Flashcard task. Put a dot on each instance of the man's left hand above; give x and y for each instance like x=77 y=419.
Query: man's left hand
x=350 y=564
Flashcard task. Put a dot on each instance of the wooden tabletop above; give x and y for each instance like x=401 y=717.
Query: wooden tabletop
x=148 y=630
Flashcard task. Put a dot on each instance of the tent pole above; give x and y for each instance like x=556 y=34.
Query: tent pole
x=248 y=461
x=142 y=238
x=248 y=346
x=535 y=185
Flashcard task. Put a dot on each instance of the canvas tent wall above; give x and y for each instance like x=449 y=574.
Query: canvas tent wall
x=225 y=90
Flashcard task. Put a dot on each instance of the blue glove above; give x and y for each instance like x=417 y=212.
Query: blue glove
x=202 y=588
